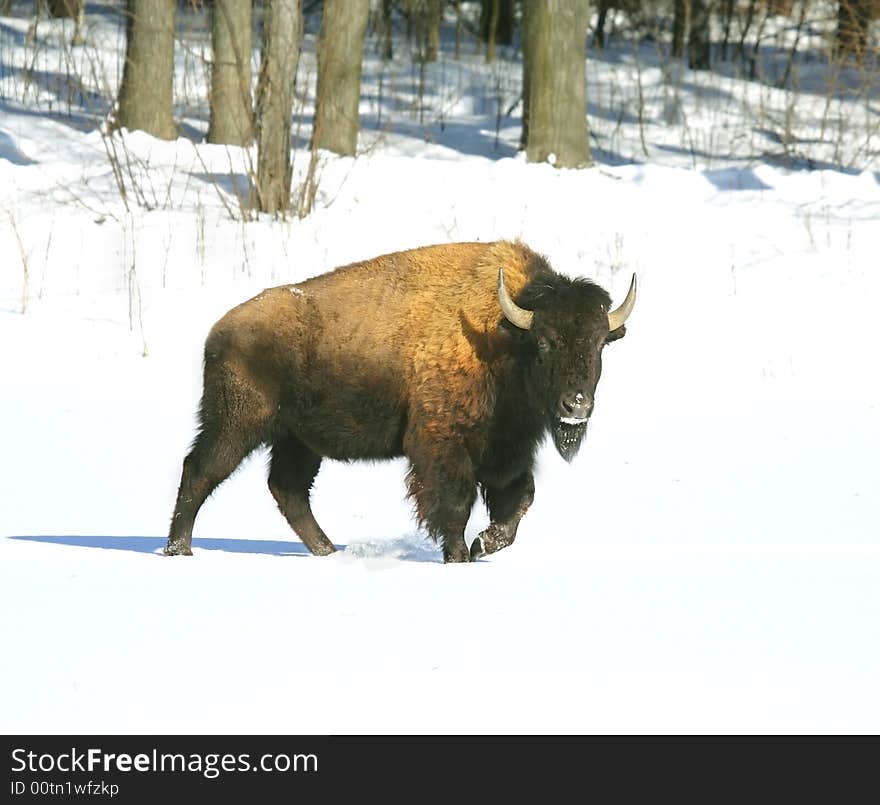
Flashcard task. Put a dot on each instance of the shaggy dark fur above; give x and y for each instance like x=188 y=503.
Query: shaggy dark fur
x=406 y=354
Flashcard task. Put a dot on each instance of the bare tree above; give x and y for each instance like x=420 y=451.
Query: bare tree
x=801 y=24
x=680 y=14
x=555 y=67
x=232 y=110
x=745 y=27
x=599 y=37
x=496 y=25
x=340 y=55
x=527 y=50
x=67 y=9
x=853 y=20
x=433 y=20
x=728 y=9
x=382 y=24
x=64 y=8
x=424 y=18
x=699 y=38
x=282 y=28
x=145 y=99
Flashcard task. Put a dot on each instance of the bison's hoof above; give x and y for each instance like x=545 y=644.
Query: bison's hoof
x=177 y=549
x=477 y=549
x=493 y=539
x=458 y=553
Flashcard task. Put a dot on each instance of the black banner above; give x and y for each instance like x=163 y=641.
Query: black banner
x=270 y=768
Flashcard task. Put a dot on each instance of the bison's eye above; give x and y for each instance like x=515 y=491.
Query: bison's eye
x=548 y=341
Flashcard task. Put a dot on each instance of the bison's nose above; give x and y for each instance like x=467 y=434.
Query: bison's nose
x=575 y=405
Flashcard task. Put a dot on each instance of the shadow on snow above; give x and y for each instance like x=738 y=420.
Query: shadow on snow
x=155 y=544
x=412 y=548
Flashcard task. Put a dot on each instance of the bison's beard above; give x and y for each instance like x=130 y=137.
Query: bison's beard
x=568 y=438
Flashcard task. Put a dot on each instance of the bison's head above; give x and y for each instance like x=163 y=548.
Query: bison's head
x=565 y=324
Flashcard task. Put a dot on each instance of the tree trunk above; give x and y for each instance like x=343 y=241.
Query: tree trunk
x=699 y=38
x=599 y=36
x=751 y=10
x=496 y=21
x=527 y=49
x=802 y=19
x=557 y=106
x=232 y=112
x=727 y=11
x=146 y=95
x=435 y=18
x=282 y=28
x=489 y=13
x=423 y=19
x=681 y=12
x=340 y=54
x=754 y=60
x=66 y=9
x=853 y=19
x=387 y=31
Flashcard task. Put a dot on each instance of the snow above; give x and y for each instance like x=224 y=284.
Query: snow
x=709 y=562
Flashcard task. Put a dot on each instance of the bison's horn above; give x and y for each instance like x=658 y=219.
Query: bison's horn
x=617 y=317
x=520 y=317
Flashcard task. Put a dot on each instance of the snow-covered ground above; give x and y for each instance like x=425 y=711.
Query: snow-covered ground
x=709 y=563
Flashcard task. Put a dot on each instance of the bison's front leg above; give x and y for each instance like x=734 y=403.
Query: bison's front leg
x=444 y=490
x=507 y=506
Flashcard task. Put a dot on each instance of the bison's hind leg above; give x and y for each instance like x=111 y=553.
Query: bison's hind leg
x=213 y=458
x=292 y=471
x=233 y=418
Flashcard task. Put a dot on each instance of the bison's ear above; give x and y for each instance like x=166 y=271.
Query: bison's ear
x=620 y=332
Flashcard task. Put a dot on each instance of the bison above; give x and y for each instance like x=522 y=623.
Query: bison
x=460 y=357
